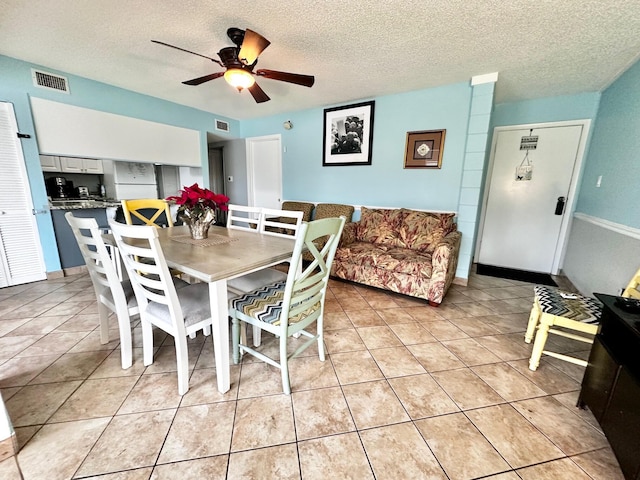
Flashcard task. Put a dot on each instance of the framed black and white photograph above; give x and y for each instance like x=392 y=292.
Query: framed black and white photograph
x=348 y=135
x=424 y=149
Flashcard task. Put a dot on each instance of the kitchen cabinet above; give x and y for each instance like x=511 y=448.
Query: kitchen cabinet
x=81 y=165
x=611 y=383
x=50 y=163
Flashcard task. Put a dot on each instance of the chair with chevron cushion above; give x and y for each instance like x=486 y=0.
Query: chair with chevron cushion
x=287 y=308
x=554 y=308
x=281 y=223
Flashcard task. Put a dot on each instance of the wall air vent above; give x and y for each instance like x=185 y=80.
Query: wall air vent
x=222 y=126
x=50 y=81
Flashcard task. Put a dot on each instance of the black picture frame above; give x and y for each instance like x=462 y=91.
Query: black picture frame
x=348 y=135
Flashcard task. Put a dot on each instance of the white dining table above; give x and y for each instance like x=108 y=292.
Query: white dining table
x=226 y=254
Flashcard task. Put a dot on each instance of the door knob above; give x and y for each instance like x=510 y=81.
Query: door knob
x=560 y=205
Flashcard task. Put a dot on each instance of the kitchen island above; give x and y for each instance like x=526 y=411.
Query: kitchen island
x=68 y=250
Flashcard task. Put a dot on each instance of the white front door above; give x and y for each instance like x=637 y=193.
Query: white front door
x=21 y=259
x=529 y=194
x=264 y=171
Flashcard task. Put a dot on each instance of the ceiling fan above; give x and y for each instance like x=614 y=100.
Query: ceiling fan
x=239 y=62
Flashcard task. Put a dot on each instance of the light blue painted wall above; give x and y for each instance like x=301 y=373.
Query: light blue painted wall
x=552 y=109
x=16 y=86
x=473 y=173
x=615 y=154
x=385 y=182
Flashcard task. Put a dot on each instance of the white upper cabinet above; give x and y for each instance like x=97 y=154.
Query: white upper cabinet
x=80 y=165
x=91 y=165
x=50 y=163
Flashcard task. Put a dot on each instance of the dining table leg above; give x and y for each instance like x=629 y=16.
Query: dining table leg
x=220 y=332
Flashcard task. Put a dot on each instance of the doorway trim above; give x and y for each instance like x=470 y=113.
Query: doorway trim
x=576 y=175
x=251 y=144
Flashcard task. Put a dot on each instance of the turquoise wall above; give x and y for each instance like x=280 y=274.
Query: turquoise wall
x=614 y=154
x=552 y=109
x=16 y=86
x=385 y=182
x=455 y=187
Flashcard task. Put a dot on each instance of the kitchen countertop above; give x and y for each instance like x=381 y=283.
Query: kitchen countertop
x=78 y=204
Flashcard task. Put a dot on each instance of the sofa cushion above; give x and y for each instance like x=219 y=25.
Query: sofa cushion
x=391 y=259
x=423 y=231
x=380 y=226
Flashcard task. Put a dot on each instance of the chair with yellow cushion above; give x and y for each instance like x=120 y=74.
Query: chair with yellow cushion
x=149 y=211
x=329 y=210
x=554 y=308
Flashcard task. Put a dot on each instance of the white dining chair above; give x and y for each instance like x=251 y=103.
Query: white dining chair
x=242 y=217
x=178 y=312
x=282 y=223
x=268 y=220
x=112 y=294
x=286 y=308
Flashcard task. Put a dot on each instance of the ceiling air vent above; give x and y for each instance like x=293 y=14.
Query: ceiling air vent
x=50 y=81
x=222 y=126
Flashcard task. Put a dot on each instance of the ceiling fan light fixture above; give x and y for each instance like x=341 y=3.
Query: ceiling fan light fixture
x=239 y=78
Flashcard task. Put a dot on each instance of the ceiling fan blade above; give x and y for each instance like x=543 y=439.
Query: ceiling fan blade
x=304 y=80
x=206 y=78
x=188 y=51
x=258 y=94
x=252 y=46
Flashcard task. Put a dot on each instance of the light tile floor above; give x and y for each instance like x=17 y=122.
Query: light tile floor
x=407 y=391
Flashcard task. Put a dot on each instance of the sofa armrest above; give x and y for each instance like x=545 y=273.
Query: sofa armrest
x=444 y=263
x=348 y=234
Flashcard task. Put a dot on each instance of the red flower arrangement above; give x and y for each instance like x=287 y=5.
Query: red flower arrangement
x=196 y=202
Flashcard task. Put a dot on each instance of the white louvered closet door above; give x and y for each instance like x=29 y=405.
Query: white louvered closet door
x=21 y=258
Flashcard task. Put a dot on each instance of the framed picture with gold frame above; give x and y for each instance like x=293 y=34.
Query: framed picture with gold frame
x=424 y=149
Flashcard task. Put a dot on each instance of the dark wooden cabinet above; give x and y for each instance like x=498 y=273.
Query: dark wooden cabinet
x=611 y=384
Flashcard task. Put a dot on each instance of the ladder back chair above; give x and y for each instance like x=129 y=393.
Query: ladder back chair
x=112 y=295
x=178 y=312
x=249 y=220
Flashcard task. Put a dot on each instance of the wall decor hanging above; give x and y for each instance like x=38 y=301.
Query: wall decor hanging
x=424 y=149
x=348 y=135
x=524 y=171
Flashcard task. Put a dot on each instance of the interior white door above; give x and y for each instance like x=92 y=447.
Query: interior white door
x=21 y=259
x=264 y=171
x=523 y=217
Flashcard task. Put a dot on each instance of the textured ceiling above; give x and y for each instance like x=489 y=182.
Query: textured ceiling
x=355 y=49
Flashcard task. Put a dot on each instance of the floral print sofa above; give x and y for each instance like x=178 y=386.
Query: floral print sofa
x=406 y=251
